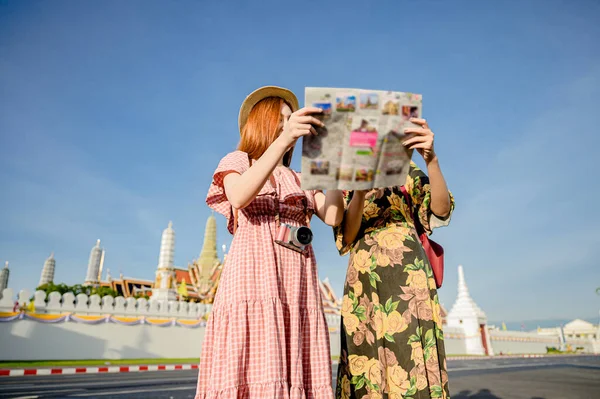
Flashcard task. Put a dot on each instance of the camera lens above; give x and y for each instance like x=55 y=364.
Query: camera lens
x=304 y=235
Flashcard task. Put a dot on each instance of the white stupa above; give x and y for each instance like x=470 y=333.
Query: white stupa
x=48 y=270
x=467 y=315
x=94 y=271
x=164 y=284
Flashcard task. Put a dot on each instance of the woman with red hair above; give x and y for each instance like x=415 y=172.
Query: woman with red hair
x=266 y=336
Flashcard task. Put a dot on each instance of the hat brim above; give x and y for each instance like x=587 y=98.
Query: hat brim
x=261 y=94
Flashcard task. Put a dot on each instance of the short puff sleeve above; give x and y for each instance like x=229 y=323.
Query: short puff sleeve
x=235 y=162
x=417 y=185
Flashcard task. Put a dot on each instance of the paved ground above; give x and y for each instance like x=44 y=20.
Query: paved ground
x=545 y=378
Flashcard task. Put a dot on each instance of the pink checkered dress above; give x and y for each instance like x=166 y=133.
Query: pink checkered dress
x=266 y=336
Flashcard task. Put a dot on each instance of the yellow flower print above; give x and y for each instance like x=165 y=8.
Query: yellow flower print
x=417 y=279
x=395 y=323
x=375 y=395
x=358 y=364
x=395 y=201
x=421 y=382
x=395 y=394
x=379 y=323
x=382 y=260
x=362 y=261
x=347 y=305
x=417 y=353
x=351 y=323
x=397 y=379
x=375 y=372
x=371 y=210
x=431 y=282
x=345 y=387
x=390 y=238
x=375 y=298
x=437 y=314
x=409 y=185
x=358 y=288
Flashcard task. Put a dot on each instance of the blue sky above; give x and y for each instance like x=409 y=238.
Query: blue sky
x=114 y=114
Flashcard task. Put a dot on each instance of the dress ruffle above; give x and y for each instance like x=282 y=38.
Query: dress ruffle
x=288 y=190
x=276 y=389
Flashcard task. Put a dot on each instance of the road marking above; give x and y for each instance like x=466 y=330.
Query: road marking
x=44 y=392
x=503 y=366
x=121 y=392
x=91 y=382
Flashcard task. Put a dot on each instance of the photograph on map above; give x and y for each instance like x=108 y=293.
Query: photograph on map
x=369 y=100
x=391 y=104
x=364 y=132
x=410 y=111
x=327 y=110
x=319 y=167
x=395 y=167
x=345 y=174
x=345 y=102
x=364 y=174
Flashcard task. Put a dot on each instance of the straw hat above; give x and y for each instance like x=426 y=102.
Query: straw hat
x=262 y=93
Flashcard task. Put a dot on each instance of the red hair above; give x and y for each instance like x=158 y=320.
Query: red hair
x=262 y=128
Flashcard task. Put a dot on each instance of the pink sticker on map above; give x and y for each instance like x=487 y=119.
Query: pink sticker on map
x=363 y=139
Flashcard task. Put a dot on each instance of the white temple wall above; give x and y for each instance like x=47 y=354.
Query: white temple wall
x=585 y=345
x=517 y=342
x=471 y=334
x=69 y=340
x=454 y=341
x=32 y=340
x=37 y=340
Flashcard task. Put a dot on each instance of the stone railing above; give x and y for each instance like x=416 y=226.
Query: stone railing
x=94 y=304
x=524 y=336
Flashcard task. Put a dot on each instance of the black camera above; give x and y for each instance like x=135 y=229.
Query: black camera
x=294 y=238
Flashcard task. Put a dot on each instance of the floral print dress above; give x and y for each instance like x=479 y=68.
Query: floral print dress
x=392 y=341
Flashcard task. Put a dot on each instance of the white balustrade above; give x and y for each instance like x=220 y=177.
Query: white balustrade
x=94 y=304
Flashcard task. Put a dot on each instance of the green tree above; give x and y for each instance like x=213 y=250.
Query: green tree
x=77 y=289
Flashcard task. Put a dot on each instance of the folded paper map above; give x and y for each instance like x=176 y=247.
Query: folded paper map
x=360 y=147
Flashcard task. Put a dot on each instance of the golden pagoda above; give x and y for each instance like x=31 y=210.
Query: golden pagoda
x=205 y=271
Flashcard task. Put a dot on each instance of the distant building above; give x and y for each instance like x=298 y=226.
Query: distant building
x=467 y=315
x=198 y=283
x=95 y=263
x=4 y=273
x=165 y=281
x=48 y=270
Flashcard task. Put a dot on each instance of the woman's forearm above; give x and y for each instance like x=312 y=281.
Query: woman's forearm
x=440 y=200
x=242 y=189
x=353 y=217
x=330 y=207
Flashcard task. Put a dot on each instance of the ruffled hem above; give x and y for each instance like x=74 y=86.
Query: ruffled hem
x=276 y=390
x=264 y=340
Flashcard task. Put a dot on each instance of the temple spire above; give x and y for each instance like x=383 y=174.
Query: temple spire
x=95 y=264
x=208 y=255
x=4 y=274
x=164 y=282
x=467 y=315
x=464 y=303
x=463 y=290
x=48 y=270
